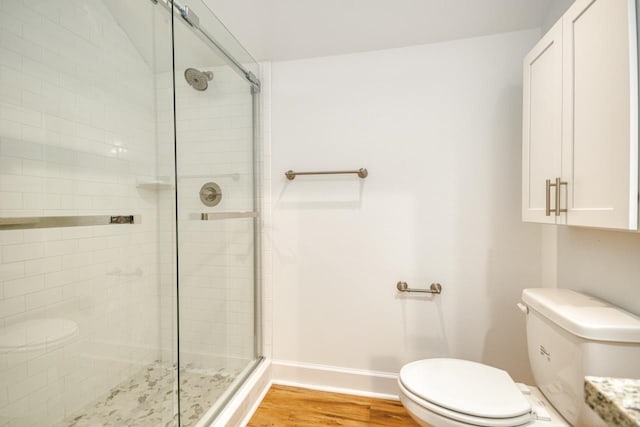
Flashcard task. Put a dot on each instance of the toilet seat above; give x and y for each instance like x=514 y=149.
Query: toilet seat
x=463 y=418
x=37 y=334
x=465 y=391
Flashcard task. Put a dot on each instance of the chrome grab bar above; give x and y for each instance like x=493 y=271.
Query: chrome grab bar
x=27 y=222
x=362 y=173
x=435 y=288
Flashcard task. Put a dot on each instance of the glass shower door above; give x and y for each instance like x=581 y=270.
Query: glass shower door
x=112 y=219
x=217 y=213
x=85 y=295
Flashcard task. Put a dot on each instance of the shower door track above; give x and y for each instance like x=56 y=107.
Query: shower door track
x=192 y=20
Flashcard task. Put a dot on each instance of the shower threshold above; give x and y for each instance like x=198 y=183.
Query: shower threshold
x=147 y=399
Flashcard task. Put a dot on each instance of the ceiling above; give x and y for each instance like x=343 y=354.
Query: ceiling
x=292 y=29
x=149 y=31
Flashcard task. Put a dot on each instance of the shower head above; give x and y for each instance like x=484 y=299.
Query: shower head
x=199 y=80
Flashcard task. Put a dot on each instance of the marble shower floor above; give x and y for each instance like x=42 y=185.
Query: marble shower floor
x=147 y=399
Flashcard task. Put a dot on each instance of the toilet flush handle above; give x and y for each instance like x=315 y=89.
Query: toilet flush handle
x=523 y=308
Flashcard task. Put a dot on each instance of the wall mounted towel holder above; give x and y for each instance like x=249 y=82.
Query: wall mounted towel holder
x=362 y=173
x=435 y=288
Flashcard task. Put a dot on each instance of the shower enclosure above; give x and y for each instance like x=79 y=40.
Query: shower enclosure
x=129 y=213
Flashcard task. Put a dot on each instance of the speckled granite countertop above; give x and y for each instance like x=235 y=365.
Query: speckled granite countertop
x=616 y=400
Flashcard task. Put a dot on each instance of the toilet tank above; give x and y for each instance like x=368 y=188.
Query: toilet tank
x=571 y=335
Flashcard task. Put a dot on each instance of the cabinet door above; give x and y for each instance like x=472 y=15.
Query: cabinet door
x=600 y=121
x=542 y=125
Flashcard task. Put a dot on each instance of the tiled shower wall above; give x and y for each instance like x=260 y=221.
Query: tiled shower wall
x=215 y=143
x=77 y=129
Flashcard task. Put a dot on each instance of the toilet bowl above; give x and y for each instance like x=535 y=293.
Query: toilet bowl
x=461 y=393
x=569 y=335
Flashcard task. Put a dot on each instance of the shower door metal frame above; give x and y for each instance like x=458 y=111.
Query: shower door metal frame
x=192 y=20
x=257 y=223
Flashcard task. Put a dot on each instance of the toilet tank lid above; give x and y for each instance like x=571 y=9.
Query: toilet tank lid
x=583 y=315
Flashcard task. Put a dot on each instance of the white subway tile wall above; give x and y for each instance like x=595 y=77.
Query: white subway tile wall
x=77 y=131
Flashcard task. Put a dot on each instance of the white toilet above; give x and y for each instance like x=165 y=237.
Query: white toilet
x=569 y=335
x=31 y=341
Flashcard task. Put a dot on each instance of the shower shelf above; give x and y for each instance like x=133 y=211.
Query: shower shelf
x=215 y=216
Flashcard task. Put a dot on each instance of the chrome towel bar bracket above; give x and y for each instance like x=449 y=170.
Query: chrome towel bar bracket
x=362 y=173
x=435 y=288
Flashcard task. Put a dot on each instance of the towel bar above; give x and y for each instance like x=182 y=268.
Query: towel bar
x=435 y=288
x=362 y=173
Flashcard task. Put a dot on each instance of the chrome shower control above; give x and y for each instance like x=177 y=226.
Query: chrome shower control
x=210 y=194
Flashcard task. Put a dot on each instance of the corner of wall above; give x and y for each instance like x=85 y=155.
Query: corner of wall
x=266 y=208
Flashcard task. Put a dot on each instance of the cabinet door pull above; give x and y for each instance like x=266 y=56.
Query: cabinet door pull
x=547 y=211
x=558 y=186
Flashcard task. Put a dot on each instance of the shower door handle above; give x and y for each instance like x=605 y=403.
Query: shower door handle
x=27 y=222
x=216 y=216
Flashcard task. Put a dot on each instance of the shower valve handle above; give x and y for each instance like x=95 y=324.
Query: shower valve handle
x=210 y=194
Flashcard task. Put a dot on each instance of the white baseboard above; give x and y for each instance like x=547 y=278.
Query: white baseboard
x=357 y=382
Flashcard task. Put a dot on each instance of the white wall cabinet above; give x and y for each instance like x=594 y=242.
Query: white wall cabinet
x=580 y=123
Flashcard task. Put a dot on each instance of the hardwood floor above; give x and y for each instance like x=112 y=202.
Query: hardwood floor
x=292 y=406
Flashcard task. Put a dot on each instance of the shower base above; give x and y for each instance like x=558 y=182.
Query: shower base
x=148 y=398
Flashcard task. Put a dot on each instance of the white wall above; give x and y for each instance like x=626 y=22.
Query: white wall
x=556 y=9
x=438 y=127
x=601 y=263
